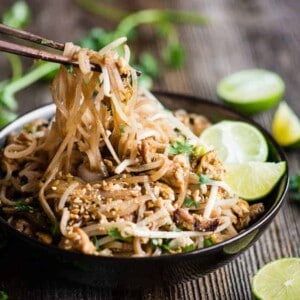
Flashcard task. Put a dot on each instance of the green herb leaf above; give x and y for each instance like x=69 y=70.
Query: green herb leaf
x=188 y=202
x=70 y=69
x=3 y=295
x=22 y=206
x=189 y=248
x=18 y=16
x=116 y=235
x=180 y=147
x=294 y=187
x=204 y=179
x=95 y=242
x=6 y=117
x=208 y=242
x=174 y=56
x=148 y=64
x=54 y=230
x=165 y=245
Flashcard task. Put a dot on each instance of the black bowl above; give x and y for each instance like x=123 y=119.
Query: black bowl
x=142 y=272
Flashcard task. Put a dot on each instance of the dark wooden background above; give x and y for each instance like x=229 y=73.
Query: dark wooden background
x=242 y=34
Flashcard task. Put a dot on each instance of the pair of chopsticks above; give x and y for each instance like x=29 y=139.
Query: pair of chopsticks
x=32 y=52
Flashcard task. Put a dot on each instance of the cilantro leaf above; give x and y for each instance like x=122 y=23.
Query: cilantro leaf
x=95 y=242
x=188 y=202
x=148 y=64
x=208 y=242
x=116 y=235
x=203 y=179
x=189 y=248
x=174 y=56
x=22 y=206
x=178 y=147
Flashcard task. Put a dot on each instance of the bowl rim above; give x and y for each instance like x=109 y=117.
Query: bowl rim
x=268 y=216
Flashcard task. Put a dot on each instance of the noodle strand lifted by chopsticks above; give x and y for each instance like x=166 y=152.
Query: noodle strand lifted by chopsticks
x=114 y=173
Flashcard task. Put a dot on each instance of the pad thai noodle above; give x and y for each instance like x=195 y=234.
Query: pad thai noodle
x=114 y=172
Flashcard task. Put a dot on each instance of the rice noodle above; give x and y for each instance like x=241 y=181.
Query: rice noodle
x=113 y=170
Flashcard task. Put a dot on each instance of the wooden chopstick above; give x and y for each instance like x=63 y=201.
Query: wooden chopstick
x=36 y=53
x=28 y=36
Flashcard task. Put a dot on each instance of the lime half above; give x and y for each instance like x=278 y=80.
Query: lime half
x=279 y=279
x=286 y=126
x=251 y=91
x=253 y=180
x=236 y=142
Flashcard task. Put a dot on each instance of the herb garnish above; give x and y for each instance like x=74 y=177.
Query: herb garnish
x=208 y=242
x=116 y=235
x=180 y=147
x=189 y=248
x=23 y=206
x=95 y=242
x=204 y=179
x=188 y=202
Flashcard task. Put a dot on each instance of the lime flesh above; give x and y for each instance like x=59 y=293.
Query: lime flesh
x=279 y=279
x=251 y=91
x=286 y=126
x=236 y=142
x=253 y=180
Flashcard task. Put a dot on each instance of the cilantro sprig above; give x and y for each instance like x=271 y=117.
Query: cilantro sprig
x=189 y=202
x=179 y=147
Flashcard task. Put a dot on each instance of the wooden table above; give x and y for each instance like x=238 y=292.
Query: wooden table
x=241 y=34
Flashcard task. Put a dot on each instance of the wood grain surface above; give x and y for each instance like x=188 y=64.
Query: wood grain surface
x=241 y=34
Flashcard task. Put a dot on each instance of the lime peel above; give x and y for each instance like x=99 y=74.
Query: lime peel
x=253 y=180
x=236 y=141
x=251 y=91
x=279 y=279
x=286 y=126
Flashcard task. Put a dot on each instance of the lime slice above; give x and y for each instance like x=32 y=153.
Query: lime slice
x=286 y=126
x=251 y=91
x=236 y=142
x=253 y=180
x=279 y=279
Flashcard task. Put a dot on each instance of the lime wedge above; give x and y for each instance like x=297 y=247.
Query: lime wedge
x=279 y=279
x=286 y=126
x=236 y=142
x=253 y=180
x=251 y=91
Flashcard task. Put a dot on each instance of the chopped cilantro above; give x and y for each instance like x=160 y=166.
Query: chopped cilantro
x=189 y=248
x=188 y=202
x=208 y=242
x=116 y=235
x=22 y=206
x=70 y=69
x=54 y=230
x=95 y=242
x=180 y=147
x=203 y=179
